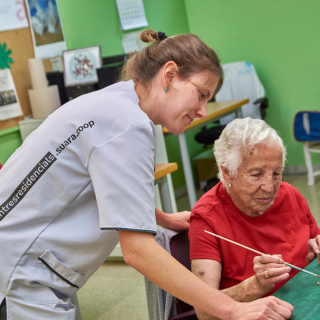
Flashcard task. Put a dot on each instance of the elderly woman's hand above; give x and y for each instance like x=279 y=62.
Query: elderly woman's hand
x=313 y=248
x=269 y=269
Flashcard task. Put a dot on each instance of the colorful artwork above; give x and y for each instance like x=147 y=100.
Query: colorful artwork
x=5 y=58
x=83 y=66
x=80 y=66
x=45 y=21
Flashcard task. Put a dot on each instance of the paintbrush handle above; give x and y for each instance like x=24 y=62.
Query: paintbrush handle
x=236 y=243
x=241 y=245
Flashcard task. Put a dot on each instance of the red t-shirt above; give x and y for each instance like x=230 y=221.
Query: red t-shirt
x=284 y=228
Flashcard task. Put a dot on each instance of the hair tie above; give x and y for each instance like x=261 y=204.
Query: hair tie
x=162 y=35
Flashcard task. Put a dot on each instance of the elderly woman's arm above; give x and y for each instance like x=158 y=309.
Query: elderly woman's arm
x=252 y=288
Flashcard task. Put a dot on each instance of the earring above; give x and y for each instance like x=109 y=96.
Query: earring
x=165 y=89
x=229 y=184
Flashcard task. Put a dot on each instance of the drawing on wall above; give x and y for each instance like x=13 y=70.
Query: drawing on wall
x=12 y=15
x=80 y=65
x=45 y=21
x=46 y=28
x=5 y=58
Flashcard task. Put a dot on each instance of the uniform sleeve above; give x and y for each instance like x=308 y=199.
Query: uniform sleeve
x=202 y=244
x=314 y=229
x=122 y=174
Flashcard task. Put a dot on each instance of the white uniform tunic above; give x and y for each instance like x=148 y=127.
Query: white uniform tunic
x=86 y=172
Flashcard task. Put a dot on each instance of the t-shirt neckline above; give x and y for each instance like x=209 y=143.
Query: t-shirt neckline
x=236 y=209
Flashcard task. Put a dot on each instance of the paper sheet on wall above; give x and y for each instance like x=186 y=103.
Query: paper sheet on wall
x=131 y=14
x=46 y=28
x=131 y=42
x=12 y=15
x=9 y=102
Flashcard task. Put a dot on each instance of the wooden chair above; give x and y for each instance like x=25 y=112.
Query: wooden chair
x=160 y=177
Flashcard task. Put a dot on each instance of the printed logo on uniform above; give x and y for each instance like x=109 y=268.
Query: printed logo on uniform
x=74 y=136
x=38 y=171
x=27 y=183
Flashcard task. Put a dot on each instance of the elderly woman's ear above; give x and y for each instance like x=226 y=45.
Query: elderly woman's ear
x=227 y=176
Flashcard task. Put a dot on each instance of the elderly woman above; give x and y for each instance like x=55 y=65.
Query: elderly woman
x=252 y=206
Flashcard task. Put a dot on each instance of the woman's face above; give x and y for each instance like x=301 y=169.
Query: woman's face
x=187 y=100
x=258 y=179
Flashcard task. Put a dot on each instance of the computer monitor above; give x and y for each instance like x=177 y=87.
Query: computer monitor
x=109 y=73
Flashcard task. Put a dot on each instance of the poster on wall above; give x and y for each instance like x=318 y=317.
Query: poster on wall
x=80 y=65
x=131 y=42
x=46 y=28
x=12 y=15
x=131 y=14
x=9 y=101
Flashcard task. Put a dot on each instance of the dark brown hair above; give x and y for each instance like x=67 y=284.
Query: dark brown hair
x=190 y=54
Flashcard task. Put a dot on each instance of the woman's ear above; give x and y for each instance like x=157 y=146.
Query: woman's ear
x=226 y=174
x=169 y=74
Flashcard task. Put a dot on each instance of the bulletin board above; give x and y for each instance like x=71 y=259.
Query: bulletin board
x=20 y=42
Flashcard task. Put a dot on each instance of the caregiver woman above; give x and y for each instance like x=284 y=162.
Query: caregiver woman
x=85 y=180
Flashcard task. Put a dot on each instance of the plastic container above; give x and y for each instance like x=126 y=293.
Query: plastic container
x=28 y=125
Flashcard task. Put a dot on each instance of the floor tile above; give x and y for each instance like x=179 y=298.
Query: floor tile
x=115 y=292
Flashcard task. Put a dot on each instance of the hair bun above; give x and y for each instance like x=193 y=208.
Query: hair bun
x=151 y=36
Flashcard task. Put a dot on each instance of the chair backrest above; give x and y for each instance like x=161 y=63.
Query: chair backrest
x=241 y=81
x=179 y=246
x=306 y=126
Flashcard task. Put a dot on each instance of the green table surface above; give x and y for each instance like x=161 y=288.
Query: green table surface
x=303 y=292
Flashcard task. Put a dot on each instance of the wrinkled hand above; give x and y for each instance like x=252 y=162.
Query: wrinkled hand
x=276 y=270
x=263 y=309
x=313 y=248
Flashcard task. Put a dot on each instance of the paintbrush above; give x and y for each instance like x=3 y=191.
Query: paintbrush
x=241 y=245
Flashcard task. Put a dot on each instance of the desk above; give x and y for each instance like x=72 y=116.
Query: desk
x=160 y=178
x=303 y=293
x=215 y=111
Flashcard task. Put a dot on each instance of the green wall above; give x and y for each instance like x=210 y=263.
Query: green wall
x=96 y=22
x=10 y=140
x=281 y=39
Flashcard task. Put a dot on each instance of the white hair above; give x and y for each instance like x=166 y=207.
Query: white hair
x=239 y=134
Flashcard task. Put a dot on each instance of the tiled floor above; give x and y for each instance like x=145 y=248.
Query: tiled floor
x=116 y=291
x=311 y=193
